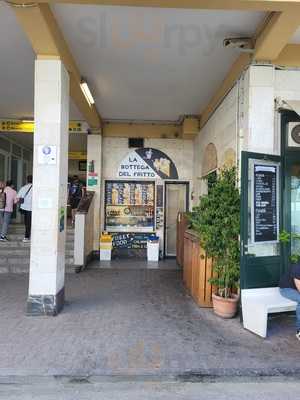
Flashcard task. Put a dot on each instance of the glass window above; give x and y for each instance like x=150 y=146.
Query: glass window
x=129 y=206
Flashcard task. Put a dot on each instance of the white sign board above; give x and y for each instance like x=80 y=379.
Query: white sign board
x=133 y=166
x=147 y=163
x=47 y=155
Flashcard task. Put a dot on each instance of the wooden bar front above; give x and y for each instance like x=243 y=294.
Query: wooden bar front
x=197 y=269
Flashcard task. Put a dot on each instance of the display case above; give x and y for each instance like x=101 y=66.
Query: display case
x=129 y=206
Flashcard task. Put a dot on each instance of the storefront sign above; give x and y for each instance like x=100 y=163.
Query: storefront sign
x=265 y=203
x=147 y=164
x=77 y=155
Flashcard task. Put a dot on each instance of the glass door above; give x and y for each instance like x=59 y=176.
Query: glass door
x=176 y=201
x=292 y=212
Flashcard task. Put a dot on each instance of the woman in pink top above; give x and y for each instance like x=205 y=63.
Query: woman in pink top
x=6 y=213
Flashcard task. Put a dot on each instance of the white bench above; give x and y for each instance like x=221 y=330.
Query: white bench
x=258 y=303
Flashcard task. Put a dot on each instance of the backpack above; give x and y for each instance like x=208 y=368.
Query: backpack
x=2 y=200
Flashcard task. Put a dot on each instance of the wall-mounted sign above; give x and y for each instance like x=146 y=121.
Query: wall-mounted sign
x=266 y=217
x=147 y=164
x=47 y=155
x=15 y=125
x=77 y=155
x=92 y=179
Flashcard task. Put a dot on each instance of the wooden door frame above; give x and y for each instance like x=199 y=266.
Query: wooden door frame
x=187 y=185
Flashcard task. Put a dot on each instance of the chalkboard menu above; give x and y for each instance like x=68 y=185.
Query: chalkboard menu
x=130 y=245
x=265 y=203
x=130 y=240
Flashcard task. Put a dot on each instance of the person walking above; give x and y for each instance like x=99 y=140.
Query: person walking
x=24 y=198
x=290 y=288
x=75 y=195
x=9 y=199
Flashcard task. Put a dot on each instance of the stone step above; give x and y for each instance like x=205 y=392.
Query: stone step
x=17 y=244
x=21 y=264
x=24 y=269
x=20 y=236
x=6 y=251
x=21 y=230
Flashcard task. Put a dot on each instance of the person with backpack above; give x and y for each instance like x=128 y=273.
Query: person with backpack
x=8 y=198
x=75 y=195
x=24 y=198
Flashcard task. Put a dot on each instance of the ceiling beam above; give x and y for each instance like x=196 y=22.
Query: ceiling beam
x=289 y=57
x=142 y=130
x=276 y=34
x=47 y=41
x=251 y=5
x=270 y=40
x=232 y=76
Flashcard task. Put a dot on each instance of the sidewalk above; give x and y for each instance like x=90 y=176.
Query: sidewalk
x=134 y=322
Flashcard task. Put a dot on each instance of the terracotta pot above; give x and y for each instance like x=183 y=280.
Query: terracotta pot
x=225 y=308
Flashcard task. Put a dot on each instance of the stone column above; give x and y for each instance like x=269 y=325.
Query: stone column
x=94 y=157
x=259 y=110
x=50 y=171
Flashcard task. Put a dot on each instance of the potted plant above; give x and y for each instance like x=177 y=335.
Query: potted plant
x=286 y=238
x=217 y=221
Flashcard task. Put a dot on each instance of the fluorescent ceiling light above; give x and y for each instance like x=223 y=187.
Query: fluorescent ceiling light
x=86 y=91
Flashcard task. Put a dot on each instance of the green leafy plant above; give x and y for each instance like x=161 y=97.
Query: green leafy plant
x=285 y=238
x=217 y=221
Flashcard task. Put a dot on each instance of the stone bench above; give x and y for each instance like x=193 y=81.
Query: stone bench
x=258 y=303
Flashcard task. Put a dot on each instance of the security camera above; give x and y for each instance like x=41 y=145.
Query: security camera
x=240 y=43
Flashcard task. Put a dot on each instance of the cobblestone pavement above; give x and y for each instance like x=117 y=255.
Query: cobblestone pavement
x=134 y=322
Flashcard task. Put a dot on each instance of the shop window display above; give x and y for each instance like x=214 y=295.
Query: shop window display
x=129 y=206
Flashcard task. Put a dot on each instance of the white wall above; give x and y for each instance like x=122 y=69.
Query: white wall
x=263 y=85
x=221 y=130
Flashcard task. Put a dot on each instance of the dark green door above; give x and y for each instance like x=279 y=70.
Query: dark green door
x=261 y=203
x=291 y=217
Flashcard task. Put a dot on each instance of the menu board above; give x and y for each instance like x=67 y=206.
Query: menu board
x=130 y=240
x=265 y=203
x=129 y=206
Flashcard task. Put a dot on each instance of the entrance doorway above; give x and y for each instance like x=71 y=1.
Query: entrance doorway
x=261 y=206
x=176 y=200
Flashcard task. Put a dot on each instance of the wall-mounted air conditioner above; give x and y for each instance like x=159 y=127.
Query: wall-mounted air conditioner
x=294 y=134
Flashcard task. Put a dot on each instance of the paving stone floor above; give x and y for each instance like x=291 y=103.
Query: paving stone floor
x=134 y=322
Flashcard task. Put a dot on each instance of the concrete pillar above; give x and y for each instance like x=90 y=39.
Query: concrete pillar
x=94 y=159
x=50 y=170
x=259 y=110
